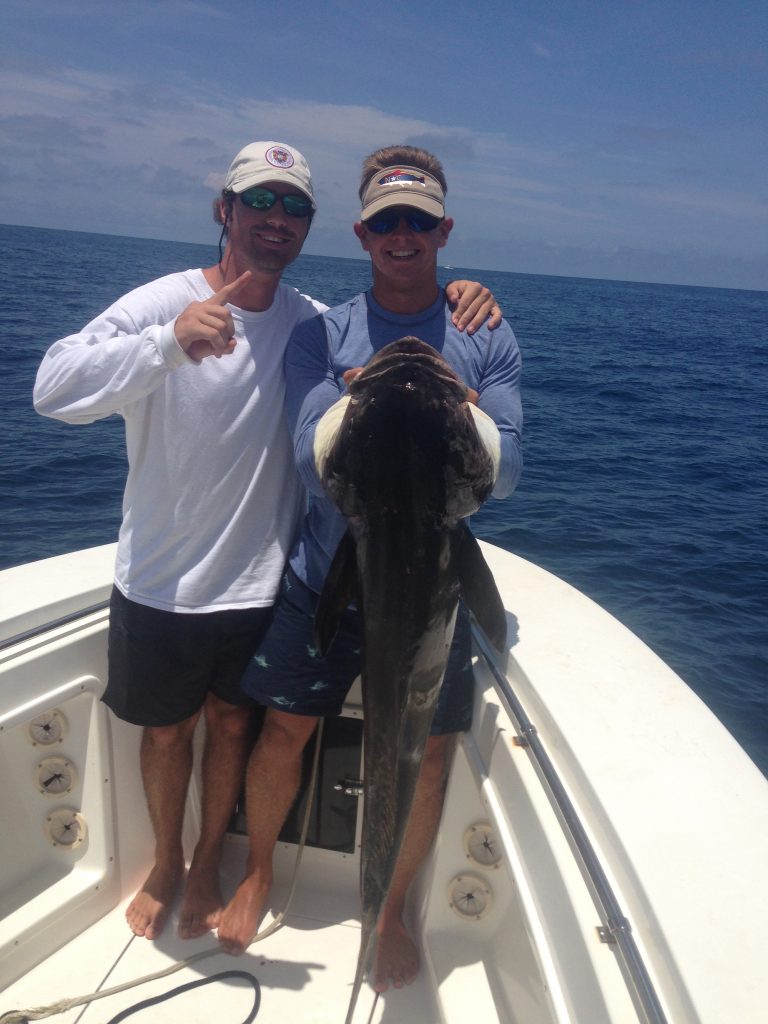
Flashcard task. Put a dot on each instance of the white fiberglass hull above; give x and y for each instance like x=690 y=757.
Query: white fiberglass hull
x=673 y=809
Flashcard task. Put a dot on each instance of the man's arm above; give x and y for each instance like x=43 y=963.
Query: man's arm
x=105 y=367
x=122 y=355
x=499 y=397
x=310 y=390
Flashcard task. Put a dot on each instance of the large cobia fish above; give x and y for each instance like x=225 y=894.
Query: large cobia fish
x=406 y=465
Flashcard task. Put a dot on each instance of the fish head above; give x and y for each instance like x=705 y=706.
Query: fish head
x=406 y=364
x=408 y=446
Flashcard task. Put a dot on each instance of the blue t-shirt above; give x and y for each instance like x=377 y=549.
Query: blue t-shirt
x=320 y=350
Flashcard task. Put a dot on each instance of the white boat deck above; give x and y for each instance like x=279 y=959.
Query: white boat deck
x=675 y=812
x=304 y=970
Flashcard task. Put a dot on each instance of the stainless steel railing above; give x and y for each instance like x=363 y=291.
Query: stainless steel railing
x=615 y=928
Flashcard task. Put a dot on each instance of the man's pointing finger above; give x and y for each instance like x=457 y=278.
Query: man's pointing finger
x=223 y=294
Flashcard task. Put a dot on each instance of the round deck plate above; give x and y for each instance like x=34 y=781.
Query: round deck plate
x=65 y=829
x=482 y=846
x=470 y=897
x=47 y=729
x=55 y=776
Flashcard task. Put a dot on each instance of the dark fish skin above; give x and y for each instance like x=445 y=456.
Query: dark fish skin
x=406 y=465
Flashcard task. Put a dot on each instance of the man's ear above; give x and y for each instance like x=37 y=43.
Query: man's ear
x=221 y=209
x=362 y=233
x=443 y=231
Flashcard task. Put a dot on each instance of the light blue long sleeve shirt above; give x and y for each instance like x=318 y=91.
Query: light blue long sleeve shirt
x=320 y=350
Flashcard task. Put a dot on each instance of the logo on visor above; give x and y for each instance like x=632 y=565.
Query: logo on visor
x=402 y=178
x=279 y=157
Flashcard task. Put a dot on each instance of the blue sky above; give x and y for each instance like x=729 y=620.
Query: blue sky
x=615 y=139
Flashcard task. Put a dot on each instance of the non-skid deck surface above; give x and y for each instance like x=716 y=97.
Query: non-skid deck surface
x=304 y=970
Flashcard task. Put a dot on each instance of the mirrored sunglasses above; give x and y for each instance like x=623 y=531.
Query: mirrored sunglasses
x=264 y=199
x=384 y=223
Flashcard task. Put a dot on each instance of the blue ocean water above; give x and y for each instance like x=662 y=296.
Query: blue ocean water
x=645 y=483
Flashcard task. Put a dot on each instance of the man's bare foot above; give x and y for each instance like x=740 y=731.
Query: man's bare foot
x=239 y=921
x=202 y=904
x=397 y=959
x=149 y=909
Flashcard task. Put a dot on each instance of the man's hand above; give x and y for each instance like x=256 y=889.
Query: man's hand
x=206 y=328
x=474 y=305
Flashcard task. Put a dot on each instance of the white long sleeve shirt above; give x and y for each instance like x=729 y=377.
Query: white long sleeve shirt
x=212 y=497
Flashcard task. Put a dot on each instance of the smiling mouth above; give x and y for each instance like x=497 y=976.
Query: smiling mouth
x=402 y=254
x=273 y=239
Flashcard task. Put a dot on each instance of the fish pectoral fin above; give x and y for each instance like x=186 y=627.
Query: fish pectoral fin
x=478 y=587
x=338 y=592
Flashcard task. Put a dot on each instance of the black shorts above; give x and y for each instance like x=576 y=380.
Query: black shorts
x=162 y=665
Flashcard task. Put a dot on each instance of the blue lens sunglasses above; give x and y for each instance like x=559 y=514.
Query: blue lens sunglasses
x=384 y=223
x=264 y=199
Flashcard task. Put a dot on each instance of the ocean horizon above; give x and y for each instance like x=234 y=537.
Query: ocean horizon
x=365 y=262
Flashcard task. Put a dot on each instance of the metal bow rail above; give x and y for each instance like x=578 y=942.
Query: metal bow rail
x=615 y=929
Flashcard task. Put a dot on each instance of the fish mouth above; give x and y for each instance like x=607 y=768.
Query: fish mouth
x=405 y=365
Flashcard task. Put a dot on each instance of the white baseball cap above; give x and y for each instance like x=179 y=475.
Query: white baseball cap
x=260 y=162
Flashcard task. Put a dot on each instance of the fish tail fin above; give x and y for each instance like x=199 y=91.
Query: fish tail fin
x=478 y=587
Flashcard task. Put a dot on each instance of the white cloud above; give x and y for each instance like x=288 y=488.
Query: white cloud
x=112 y=153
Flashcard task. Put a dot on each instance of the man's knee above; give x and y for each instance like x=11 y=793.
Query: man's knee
x=285 y=733
x=169 y=737
x=229 y=720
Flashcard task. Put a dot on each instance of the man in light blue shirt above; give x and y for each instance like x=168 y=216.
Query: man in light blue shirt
x=402 y=227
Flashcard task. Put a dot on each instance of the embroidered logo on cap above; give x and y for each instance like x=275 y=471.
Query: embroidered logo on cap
x=402 y=178
x=279 y=157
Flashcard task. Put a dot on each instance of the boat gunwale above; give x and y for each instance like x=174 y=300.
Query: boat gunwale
x=616 y=928
x=50 y=625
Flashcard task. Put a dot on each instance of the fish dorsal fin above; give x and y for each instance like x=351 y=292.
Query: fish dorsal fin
x=478 y=587
x=339 y=591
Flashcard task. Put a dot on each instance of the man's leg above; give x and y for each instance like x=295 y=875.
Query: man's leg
x=228 y=741
x=166 y=764
x=272 y=782
x=397 y=959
